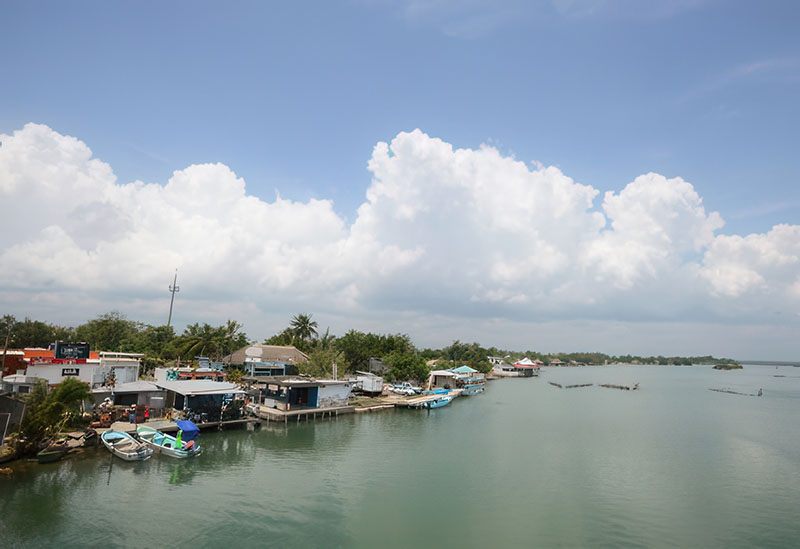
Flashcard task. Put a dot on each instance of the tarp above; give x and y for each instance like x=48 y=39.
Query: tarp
x=465 y=370
x=190 y=430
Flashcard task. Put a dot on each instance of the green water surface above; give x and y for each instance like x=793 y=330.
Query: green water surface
x=523 y=465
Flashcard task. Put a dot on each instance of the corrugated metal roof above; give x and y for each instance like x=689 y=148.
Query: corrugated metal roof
x=132 y=387
x=200 y=387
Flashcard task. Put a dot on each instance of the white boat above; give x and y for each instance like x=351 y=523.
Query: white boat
x=124 y=446
x=167 y=444
x=439 y=402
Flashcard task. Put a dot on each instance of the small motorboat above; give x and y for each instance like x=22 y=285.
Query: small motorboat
x=472 y=389
x=443 y=400
x=124 y=446
x=168 y=444
x=54 y=452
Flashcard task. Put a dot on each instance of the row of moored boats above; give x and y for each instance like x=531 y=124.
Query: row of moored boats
x=149 y=441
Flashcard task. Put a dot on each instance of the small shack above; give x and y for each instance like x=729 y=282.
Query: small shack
x=200 y=396
x=292 y=393
x=19 y=383
x=369 y=383
x=445 y=379
x=141 y=393
x=526 y=368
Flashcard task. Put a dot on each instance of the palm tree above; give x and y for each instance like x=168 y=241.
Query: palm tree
x=201 y=340
x=303 y=327
x=232 y=336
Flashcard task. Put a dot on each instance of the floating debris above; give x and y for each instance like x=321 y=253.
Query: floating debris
x=555 y=384
x=759 y=393
x=622 y=387
x=580 y=385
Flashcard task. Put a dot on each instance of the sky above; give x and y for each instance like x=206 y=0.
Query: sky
x=556 y=175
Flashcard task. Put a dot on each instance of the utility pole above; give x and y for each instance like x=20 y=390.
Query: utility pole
x=5 y=349
x=174 y=288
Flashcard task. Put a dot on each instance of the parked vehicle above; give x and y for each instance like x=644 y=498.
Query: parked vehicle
x=405 y=388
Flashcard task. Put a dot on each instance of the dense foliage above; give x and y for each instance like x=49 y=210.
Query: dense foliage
x=112 y=331
x=47 y=412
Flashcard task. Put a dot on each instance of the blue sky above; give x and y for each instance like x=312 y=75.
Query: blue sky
x=294 y=96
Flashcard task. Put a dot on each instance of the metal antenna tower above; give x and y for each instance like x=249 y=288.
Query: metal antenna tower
x=174 y=288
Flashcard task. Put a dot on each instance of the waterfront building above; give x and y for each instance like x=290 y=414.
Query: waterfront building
x=444 y=379
x=291 y=393
x=200 y=396
x=141 y=393
x=286 y=354
x=260 y=360
x=525 y=368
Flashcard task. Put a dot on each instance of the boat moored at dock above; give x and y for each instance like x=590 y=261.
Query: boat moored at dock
x=438 y=402
x=125 y=447
x=167 y=444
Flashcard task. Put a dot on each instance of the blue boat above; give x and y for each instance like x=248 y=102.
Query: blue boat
x=443 y=400
x=473 y=389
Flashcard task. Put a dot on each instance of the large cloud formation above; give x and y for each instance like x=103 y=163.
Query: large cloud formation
x=458 y=232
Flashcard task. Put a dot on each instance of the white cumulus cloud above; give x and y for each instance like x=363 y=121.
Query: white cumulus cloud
x=464 y=233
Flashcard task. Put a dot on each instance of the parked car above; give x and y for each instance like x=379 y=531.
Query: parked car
x=405 y=388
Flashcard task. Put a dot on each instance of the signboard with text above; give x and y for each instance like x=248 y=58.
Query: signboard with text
x=71 y=350
x=70 y=371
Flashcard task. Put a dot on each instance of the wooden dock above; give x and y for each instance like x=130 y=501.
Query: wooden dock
x=273 y=414
x=168 y=426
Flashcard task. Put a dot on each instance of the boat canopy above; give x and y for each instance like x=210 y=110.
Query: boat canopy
x=190 y=430
x=464 y=370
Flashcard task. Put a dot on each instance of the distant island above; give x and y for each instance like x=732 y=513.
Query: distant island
x=728 y=367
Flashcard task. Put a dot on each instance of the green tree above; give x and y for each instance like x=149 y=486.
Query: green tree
x=303 y=327
x=233 y=337
x=359 y=347
x=234 y=375
x=320 y=363
x=405 y=365
x=110 y=332
x=46 y=413
x=198 y=340
x=152 y=340
x=286 y=337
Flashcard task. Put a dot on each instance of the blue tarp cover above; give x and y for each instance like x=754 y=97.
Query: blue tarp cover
x=190 y=430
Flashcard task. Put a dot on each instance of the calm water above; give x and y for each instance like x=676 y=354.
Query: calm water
x=524 y=464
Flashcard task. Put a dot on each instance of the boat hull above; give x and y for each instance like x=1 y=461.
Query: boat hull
x=165 y=444
x=470 y=390
x=49 y=456
x=125 y=446
x=439 y=402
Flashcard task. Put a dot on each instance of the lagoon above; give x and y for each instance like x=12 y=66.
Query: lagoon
x=524 y=464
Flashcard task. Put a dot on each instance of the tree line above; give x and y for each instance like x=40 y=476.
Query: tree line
x=350 y=352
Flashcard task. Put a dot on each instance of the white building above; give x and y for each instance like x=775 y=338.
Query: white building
x=94 y=371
